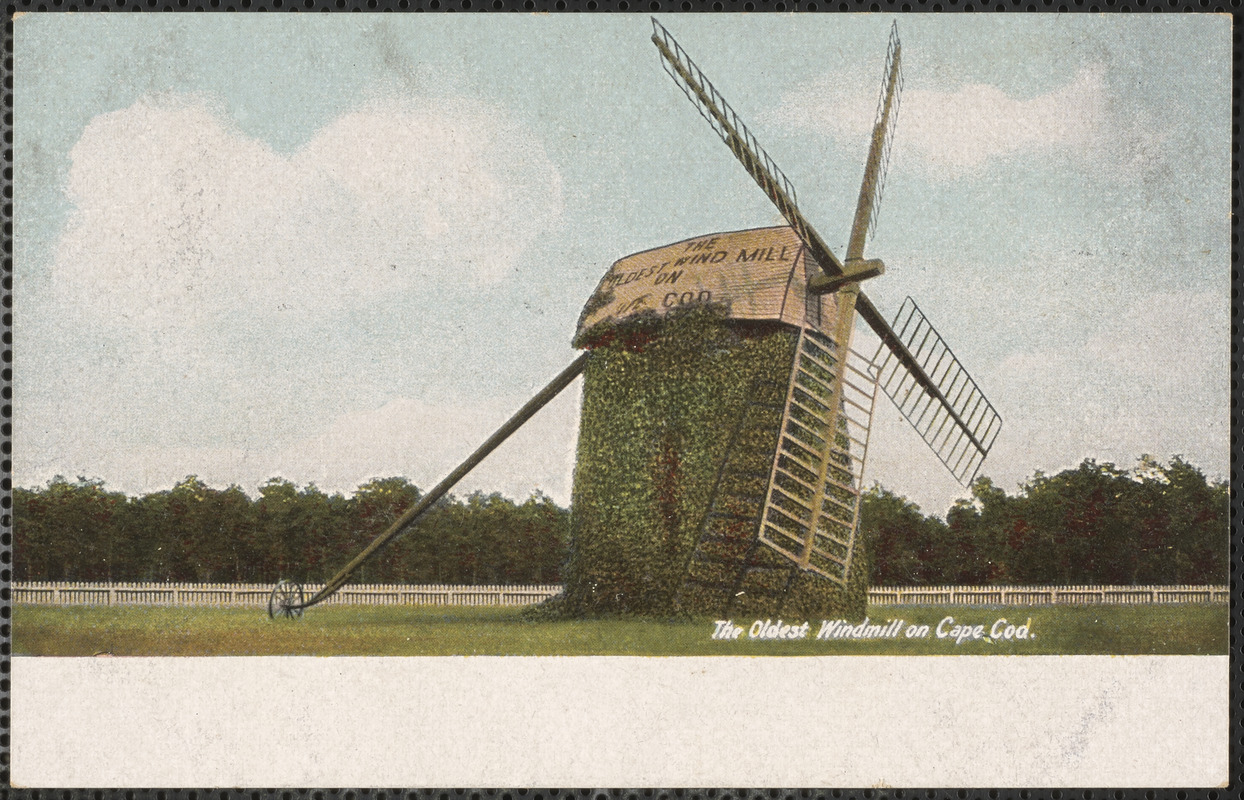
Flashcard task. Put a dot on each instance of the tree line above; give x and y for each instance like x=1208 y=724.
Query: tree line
x=1095 y=524
x=81 y=531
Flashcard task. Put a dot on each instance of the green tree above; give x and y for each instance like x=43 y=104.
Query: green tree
x=904 y=543
x=280 y=545
x=987 y=530
x=1181 y=519
x=375 y=506
x=66 y=531
x=206 y=531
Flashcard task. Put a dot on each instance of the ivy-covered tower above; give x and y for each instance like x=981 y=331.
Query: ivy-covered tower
x=702 y=449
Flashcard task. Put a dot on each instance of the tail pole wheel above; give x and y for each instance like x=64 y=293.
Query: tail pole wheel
x=286 y=600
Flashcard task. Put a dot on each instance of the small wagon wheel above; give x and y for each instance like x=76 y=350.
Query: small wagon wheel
x=286 y=600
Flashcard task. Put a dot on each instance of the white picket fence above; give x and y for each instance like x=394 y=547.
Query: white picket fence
x=1045 y=595
x=243 y=594
x=253 y=594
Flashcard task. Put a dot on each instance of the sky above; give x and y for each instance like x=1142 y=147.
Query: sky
x=332 y=248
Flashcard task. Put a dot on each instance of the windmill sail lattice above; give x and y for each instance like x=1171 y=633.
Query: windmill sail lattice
x=727 y=125
x=811 y=509
x=886 y=120
x=953 y=416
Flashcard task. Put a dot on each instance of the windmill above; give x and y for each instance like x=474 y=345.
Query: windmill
x=815 y=425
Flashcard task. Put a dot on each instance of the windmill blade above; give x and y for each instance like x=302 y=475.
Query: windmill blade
x=933 y=391
x=873 y=185
x=726 y=123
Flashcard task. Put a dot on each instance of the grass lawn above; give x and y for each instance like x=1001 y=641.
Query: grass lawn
x=442 y=631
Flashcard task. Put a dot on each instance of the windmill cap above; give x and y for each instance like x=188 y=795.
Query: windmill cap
x=759 y=274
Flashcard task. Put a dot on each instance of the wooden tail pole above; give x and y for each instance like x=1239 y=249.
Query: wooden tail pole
x=515 y=422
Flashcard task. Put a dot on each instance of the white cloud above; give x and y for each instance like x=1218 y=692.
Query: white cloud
x=182 y=225
x=424 y=442
x=960 y=131
x=403 y=437
x=179 y=216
